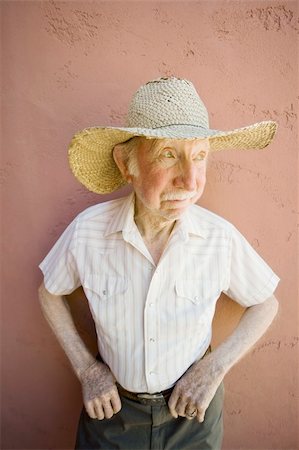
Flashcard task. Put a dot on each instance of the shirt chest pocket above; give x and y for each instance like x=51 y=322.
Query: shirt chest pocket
x=104 y=287
x=193 y=306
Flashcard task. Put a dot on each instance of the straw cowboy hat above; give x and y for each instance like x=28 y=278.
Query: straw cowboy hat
x=162 y=108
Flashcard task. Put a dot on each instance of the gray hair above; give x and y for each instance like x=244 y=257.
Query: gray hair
x=129 y=152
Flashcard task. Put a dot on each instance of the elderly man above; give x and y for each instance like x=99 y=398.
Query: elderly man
x=152 y=266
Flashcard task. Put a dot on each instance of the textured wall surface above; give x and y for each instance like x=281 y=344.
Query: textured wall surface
x=69 y=65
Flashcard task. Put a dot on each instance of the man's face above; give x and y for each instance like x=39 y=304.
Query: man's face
x=172 y=175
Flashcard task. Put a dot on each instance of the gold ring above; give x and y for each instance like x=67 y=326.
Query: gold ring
x=192 y=414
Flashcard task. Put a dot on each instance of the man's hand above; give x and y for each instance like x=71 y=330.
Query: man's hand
x=100 y=394
x=195 y=390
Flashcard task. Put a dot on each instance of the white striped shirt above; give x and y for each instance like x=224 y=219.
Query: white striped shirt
x=152 y=321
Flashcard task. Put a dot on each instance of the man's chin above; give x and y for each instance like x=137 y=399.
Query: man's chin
x=174 y=213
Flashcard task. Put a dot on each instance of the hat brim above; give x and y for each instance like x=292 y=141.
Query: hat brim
x=92 y=163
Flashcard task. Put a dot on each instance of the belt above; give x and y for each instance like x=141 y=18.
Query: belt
x=159 y=398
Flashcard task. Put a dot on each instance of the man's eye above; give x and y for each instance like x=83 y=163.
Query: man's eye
x=168 y=154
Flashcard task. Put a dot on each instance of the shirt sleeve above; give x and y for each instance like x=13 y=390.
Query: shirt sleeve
x=59 y=266
x=251 y=280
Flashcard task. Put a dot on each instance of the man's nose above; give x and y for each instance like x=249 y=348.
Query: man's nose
x=187 y=178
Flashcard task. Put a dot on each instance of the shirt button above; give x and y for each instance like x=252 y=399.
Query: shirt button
x=151 y=305
x=196 y=297
x=104 y=292
x=152 y=373
x=152 y=340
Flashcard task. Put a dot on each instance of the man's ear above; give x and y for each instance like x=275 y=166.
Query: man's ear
x=121 y=163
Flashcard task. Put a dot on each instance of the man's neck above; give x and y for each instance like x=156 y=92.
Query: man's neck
x=155 y=231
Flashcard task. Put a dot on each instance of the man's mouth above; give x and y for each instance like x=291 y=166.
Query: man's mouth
x=178 y=196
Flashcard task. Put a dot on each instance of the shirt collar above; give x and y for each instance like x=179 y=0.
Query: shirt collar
x=123 y=220
x=189 y=224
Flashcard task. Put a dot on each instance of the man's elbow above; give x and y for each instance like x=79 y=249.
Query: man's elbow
x=271 y=305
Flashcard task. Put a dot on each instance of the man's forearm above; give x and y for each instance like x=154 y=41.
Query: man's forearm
x=60 y=320
x=253 y=324
x=100 y=394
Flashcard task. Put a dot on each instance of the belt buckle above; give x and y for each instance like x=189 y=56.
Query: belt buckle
x=151 y=399
x=146 y=396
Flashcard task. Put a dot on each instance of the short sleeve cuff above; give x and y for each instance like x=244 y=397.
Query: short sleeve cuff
x=257 y=297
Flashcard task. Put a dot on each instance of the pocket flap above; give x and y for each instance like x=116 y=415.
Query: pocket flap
x=198 y=291
x=189 y=289
x=105 y=286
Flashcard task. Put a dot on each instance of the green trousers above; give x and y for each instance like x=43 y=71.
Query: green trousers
x=140 y=427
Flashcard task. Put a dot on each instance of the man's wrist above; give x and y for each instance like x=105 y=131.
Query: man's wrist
x=217 y=367
x=85 y=368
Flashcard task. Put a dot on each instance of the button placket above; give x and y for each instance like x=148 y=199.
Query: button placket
x=151 y=332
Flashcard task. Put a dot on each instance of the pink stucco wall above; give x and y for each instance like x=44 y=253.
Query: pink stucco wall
x=68 y=65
